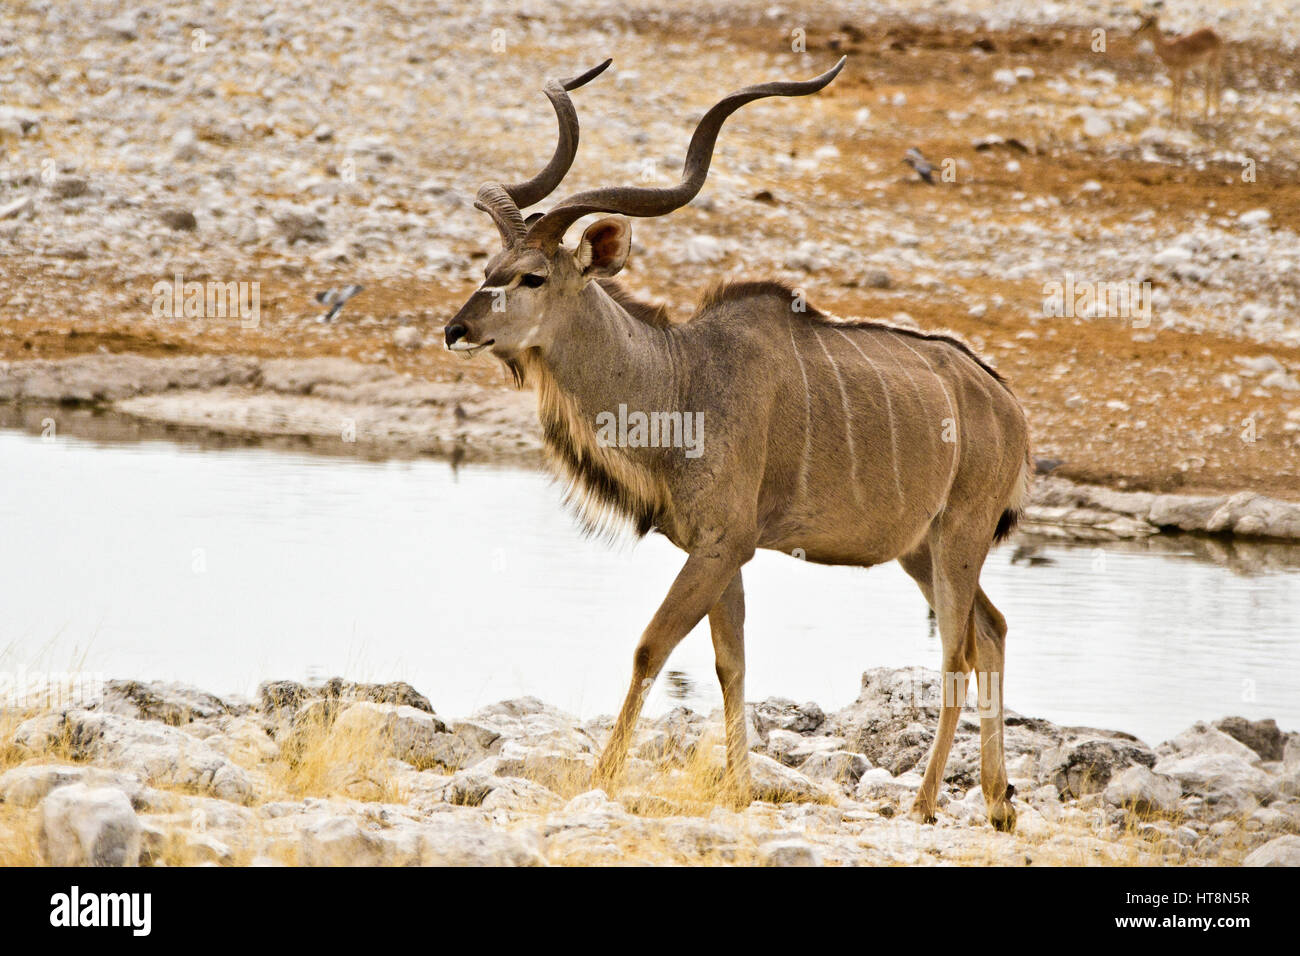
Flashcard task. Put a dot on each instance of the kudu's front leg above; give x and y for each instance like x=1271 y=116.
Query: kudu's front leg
x=727 y=624
x=696 y=589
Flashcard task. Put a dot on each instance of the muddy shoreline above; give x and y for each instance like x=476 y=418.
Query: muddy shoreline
x=338 y=406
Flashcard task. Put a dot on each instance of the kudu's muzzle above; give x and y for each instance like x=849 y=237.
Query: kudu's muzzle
x=459 y=335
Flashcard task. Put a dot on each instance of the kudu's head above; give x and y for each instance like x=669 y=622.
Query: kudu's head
x=534 y=285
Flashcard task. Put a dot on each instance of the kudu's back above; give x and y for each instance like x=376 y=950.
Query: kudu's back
x=861 y=433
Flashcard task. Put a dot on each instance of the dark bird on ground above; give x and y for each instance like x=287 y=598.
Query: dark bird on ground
x=923 y=166
x=334 y=298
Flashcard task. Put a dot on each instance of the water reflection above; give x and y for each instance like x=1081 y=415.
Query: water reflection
x=223 y=566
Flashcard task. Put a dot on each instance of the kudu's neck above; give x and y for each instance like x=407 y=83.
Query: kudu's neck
x=605 y=357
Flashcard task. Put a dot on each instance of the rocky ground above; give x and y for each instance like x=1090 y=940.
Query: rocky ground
x=354 y=774
x=299 y=146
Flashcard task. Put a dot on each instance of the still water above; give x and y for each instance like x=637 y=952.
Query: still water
x=224 y=567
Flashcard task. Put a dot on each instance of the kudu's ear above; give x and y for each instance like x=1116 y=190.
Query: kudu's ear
x=604 y=247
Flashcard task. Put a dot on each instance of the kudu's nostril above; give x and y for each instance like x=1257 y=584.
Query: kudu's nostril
x=454 y=333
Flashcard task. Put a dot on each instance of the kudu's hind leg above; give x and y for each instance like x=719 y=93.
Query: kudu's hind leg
x=695 y=590
x=990 y=644
x=919 y=564
x=949 y=578
x=957 y=650
x=727 y=624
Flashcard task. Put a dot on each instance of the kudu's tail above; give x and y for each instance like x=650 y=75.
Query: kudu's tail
x=1016 y=506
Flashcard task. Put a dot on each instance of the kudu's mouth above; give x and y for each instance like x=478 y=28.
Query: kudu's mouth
x=456 y=337
x=467 y=350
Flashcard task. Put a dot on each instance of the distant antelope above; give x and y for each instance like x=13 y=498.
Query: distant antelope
x=849 y=443
x=1180 y=53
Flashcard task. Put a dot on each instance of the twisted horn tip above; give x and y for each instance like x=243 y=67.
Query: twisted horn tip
x=584 y=78
x=830 y=74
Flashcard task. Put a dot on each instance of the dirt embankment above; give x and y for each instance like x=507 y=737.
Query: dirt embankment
x=1065 y=166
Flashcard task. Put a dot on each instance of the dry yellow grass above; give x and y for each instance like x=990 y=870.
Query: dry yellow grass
x=324 y=759
x=19 y=835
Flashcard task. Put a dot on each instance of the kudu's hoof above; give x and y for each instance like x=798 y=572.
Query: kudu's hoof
x=922 y=812
x=603 y=780
x=1003 y=816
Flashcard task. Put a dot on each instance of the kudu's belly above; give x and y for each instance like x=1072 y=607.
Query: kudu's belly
x=855 y=516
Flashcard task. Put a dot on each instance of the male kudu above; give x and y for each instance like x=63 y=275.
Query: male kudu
x=851 y=442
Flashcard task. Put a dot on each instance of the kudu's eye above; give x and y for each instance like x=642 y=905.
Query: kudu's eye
x=532 y=280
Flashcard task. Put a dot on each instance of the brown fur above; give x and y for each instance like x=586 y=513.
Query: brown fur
x=734 y=291
x=606 y=487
